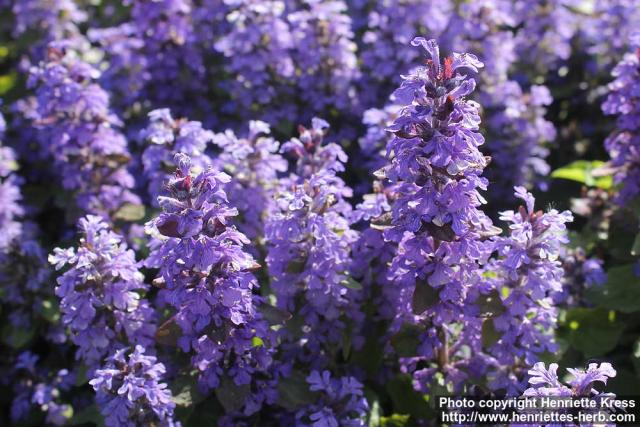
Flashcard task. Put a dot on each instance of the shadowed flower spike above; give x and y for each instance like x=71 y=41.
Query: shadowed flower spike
x=76 y=129
x=10 y=196
x=325 y=54
x=623 y=144
x=385 y=49
x=261 y=33
x=309 y=243
x=24 y=291
x=155 y=58
x=53 y=20
x=130 y=391
x=254 y=164
x=340 y=402
x=547 y=29
x=37 y=387
x=519 y=135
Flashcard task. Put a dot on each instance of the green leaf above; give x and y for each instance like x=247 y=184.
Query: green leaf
x=490 y=305
x=621 y=291
x=185 y=391
x=296 y=266
x=81 y=376
x=230 y=395
x=490 y=335
x=395 y=420
x=635 y=356
x=257 y=342
x=89 y=415
x=346 y=344
x=582 y=171
x=204 y=414
x=593 y=331
x=371 y=355
x=620 y=241
x=48 y=308
x=130 y=212
x=7 y=82
x=285 y=127
x=424 y=296
x=293 y=391
x=350 y=283
x=373 y=417
x=635 y=249
x=17 y=338
x=168 y=333
x=407 y=340
x=625 y=383
x=274 y=315
x=408 y=401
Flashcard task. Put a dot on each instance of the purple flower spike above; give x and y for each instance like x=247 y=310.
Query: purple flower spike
x=435 y=173
x=545 y=381
x=623 y=144
x=309 y=243
x=254 y=164
x=77 y=130
x=166 y=137
x=130 y=391
x=99 y=293
x=206 y=276
x=340 y=402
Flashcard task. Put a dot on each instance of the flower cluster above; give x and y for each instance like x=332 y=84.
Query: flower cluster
x=388 y=28
x=232 y=265
x=36 y=387
x=23 y=270
x=339 y=402
x=76 y=129
x=609 y=28
x=373 y=144
x=130 y=391
x=309 y=240
x=525 y=279
x=436 y=167
x=99 y=298
x=253 y=162
x=165 y=137
x=206 y=277
x=545 y=382
x=623 y=144
x=24 y=282
x=155 y=57
x=514 y=117
x=52 y=19
x=326 y=56
x=547 y=29
x=10 y=196
x=306 y=44
x=518 y=132
x=580 y=274
x=263 y=70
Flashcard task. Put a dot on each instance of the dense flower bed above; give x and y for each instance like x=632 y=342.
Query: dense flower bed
x=314 y=212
